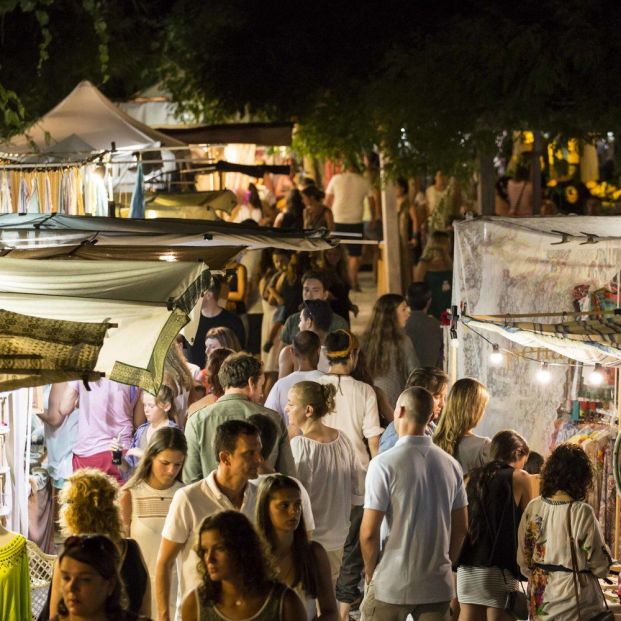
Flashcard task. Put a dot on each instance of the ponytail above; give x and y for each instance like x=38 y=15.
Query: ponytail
x=319 y=396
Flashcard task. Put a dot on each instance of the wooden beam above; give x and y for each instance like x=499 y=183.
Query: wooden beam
x=486 y=192
x=391 y=256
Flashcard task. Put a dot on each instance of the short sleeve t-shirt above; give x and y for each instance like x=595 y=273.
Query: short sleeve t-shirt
x=189 y=507
x=417 y=486
x=106 y=413
x=349 y=190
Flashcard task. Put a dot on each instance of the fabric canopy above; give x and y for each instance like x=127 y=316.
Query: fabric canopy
x=266 y=134
x=90 y=116
x=168 y=237
x=591 y=341
x=149 y=301
x=36 y=351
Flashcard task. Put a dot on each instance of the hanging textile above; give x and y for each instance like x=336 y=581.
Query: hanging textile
x=6 y=203
x=47 y=195
x=22 y=199
x=137 y=206
x=32 y=205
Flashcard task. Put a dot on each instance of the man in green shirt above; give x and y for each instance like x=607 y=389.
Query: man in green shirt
x=241 y=376
x=313 y=288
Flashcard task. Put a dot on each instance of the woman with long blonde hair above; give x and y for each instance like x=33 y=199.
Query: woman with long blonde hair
x=465 y=406
x=387 y=348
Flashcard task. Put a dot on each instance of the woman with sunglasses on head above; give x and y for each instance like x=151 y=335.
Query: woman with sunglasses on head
x=301 y=564
x=238 y=580
x=146 y=497
x=88 y=504
x=91 y=588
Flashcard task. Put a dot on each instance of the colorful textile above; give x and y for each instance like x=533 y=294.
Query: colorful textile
x=14 y=581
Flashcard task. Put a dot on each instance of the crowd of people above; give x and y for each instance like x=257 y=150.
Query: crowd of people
x=290 y=469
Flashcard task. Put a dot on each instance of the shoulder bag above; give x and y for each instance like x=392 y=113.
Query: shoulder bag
x=604 y=615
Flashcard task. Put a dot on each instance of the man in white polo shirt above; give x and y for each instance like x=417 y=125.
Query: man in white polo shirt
x=238 y=449
x=415 y=511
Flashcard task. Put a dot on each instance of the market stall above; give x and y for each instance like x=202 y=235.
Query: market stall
x=539 y=326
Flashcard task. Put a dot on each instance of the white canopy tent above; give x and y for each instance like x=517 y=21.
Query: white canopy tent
x=95 y=120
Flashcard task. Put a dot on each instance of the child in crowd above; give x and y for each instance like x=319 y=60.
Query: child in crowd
x=159 y=412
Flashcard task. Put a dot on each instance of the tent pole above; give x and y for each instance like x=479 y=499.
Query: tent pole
x=567 y=314
x=617 y=497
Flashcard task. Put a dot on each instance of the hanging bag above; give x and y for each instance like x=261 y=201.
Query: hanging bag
x=604 y=615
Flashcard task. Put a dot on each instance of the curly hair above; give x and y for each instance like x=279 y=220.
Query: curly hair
x=569 y=470
x=247 y=551
x=464 y=409
x=319 y=396
x=89 y=504
x=383 y=338
x=238 y=369
x=100 y=553
x=304 y=567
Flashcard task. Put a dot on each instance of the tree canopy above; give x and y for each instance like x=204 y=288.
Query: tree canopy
x=427 y=82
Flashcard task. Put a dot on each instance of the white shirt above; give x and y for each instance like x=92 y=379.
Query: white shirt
x=307 y=507
x=277 y=399
x=190 y=506
x=417 y=485
x=349 y=190
x=355 y=414
x=318 y=463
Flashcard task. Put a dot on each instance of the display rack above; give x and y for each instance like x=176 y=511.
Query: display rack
x=5 y=479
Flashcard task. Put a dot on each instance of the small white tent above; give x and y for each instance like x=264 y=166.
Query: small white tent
x=93 y=118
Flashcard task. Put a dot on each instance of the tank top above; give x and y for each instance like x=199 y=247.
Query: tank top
x=496 y=545
x=270 y=611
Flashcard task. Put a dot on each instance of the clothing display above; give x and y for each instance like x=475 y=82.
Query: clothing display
x=14 y=580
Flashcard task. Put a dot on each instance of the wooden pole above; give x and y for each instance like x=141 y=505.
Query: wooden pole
x=391 y=251
x=486 y=198
x=568 y=314
x=536 y=172
x=617 y=498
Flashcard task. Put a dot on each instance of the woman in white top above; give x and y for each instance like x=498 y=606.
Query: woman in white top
x=301 y=564
x=323 y=454
x=146 y=497
x=464 y=410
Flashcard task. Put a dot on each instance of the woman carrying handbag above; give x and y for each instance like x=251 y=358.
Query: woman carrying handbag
x=563 y=578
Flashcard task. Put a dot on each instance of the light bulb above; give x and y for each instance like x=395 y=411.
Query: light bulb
x=596 y=377
x=543 y=374
x=496 y=358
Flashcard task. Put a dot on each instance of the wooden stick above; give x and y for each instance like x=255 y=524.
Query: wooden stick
x=568 y=314
x=617 y=498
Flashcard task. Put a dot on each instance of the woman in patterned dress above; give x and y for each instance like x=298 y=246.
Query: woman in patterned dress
x=544 y=551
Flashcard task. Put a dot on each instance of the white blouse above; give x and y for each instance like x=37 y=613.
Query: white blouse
x=332 y=475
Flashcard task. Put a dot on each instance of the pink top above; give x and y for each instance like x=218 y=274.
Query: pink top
x=106 y=411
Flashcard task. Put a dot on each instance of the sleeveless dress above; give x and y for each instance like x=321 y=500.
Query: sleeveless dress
x=149 y=510
x=270 y=611
x=14 y=581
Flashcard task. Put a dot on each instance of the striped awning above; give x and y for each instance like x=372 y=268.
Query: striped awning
x=593 y=340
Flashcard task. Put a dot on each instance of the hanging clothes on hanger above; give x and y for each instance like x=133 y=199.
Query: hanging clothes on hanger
x=22 y=199
x=6 y=201
x=47 y=195
x=32 y=205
